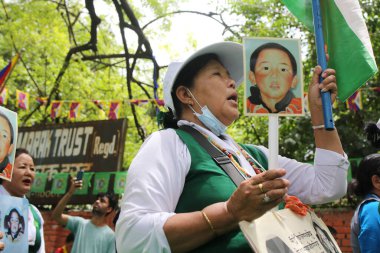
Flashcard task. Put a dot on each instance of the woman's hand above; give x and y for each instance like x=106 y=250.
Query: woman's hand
x=257 y=195
x=328 y=140
x=328 y=84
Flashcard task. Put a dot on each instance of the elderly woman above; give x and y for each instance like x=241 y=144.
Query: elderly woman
x=177 y=199
x=22 y=180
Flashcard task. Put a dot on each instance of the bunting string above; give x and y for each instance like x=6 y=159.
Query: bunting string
x=112 y=108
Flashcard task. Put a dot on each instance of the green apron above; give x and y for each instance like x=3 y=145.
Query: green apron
x=205 y=184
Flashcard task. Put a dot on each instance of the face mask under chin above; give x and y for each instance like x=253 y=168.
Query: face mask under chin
x=208 y=119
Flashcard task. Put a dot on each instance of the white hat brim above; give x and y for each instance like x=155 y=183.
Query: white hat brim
x=229 y=53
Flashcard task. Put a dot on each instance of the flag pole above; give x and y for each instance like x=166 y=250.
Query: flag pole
x=321 y=59
x=273 y=141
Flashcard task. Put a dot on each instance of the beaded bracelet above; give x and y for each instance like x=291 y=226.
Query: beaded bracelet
x=209 y=222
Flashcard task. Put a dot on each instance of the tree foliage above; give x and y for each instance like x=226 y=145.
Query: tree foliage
x=71 y=52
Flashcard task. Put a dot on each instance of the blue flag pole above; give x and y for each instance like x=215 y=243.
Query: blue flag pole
x=321 y=59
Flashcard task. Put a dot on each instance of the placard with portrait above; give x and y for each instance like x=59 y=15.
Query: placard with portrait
x=273 y=77
x=8 y=141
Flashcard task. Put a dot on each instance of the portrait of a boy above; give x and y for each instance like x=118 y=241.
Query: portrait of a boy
x=8 y=130
x=273 y=79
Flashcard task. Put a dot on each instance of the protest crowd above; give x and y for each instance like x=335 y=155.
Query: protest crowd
x=192 y=185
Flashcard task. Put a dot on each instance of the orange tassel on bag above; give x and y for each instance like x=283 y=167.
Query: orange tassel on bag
x=294 y=204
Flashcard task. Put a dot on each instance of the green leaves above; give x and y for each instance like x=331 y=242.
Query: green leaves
x=44 y=33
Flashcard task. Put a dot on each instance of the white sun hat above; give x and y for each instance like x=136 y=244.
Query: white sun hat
x=229 y=53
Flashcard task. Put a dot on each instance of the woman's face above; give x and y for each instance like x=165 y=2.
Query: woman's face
x=214 y=87
x=23 y=176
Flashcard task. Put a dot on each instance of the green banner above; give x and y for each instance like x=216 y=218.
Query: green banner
x=59 y=183
x=120 y=180
x=86 y=181
x=39 y=183
x=101 y=182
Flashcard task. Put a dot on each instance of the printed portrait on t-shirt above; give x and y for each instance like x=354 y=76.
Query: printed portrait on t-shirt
x=14 y=223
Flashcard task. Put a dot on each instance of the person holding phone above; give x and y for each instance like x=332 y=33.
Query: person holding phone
x=94 y=235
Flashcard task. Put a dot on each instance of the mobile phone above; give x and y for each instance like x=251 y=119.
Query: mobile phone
x=79 y=175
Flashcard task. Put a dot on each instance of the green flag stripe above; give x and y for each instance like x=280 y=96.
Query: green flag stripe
x=350 y=58
x=302 y=10
x=352 y=13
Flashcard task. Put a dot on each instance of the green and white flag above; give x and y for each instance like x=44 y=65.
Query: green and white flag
x=120 y=180
x=101 y=182
x=59 y=183
x=347 y=39
x=39 y=183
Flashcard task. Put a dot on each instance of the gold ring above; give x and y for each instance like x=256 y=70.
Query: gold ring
x=266 y=198
x=261 y=187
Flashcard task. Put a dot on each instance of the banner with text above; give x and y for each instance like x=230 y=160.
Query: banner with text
x=94 y=146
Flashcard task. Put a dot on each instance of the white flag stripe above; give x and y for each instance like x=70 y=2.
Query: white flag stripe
x=352 y=13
